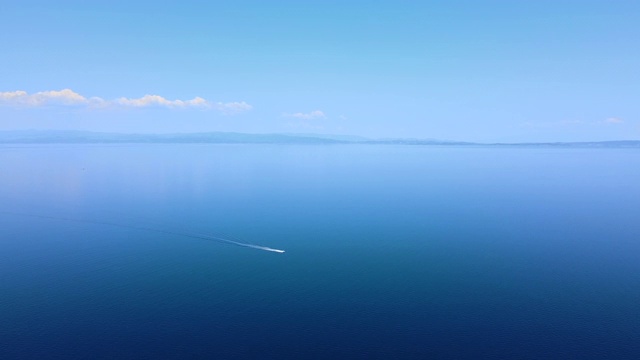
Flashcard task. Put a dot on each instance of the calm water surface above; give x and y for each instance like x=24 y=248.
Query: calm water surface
x=391 y=252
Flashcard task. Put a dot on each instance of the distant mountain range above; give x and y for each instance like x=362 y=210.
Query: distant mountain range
x=87 y=137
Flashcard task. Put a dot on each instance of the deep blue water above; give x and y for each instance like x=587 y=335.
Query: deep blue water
x=391 y=252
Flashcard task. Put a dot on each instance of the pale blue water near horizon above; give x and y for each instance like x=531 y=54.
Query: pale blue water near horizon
x=404 y=252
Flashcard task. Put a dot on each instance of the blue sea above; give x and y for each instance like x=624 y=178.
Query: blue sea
x=391 y=252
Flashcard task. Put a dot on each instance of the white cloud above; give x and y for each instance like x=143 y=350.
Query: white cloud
x=316 y=114
x=68 y=97
x=61 y=97
x=232 y=107
x=614 y=120
x=157 y=100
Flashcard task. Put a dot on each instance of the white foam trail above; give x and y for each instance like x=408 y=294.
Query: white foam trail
x=242 y=244
x=266 y=248
x=139 y=227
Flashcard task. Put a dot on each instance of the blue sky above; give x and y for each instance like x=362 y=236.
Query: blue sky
x=460 y=70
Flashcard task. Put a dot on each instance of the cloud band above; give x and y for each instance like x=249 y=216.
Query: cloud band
x=68 y=97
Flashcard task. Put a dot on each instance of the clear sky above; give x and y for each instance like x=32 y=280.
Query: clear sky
x=459 y=70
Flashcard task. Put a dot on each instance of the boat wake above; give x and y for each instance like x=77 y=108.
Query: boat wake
x=226 y=239
x=234 y=242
